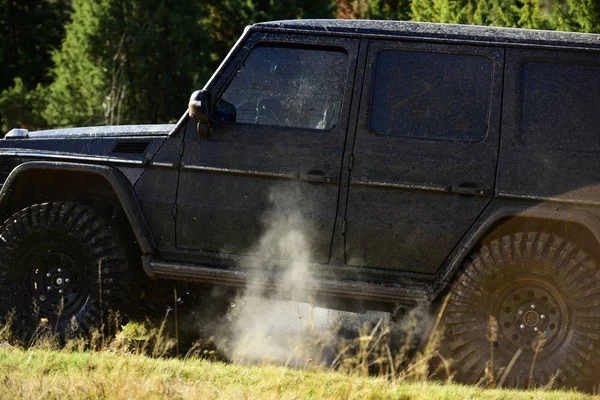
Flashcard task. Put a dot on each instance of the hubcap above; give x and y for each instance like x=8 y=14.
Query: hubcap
x=56 y=285
x=528 y=311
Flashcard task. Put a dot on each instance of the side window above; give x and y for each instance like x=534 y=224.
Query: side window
x=286 y=86
x=431 y=95
x=560 y=106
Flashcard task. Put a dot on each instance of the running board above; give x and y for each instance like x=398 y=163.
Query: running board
x=363 y=291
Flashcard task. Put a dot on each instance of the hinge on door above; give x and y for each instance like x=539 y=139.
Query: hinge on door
x=181 y=147
x=174 y=210
x=343 y=227
x=351 y=163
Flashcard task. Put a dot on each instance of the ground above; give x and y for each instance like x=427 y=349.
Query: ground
x=40 y=373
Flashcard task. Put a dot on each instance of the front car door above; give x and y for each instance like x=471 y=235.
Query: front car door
x=425 y=152
x=280 y=113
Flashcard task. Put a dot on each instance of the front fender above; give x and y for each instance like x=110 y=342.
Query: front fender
x=120 y=184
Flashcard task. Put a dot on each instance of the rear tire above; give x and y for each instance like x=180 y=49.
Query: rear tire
x=531 y=284
x=60 y=264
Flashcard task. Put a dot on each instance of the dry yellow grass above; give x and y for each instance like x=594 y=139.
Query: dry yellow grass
x=38 y=373
x=134 y=364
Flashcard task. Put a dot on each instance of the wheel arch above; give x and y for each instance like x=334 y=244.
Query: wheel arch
x=576 y=224
x=97 y=180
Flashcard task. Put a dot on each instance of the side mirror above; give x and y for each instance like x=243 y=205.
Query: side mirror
x=198 y=109
x=226 y=112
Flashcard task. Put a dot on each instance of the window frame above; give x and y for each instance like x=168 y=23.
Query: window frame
x=235 y=66
x=427 y=47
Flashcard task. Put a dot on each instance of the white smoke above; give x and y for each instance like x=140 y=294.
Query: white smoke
x=263 y=328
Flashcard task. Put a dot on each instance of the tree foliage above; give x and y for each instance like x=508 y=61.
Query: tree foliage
x=22 y=107
x=127 y=61
x=87 y=62
x=226 y=19
x=75 y=96
x=29 y=30
x=578 y=15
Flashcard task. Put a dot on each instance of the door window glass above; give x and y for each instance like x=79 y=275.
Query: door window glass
x=431 y=95
x=560 y=106
x=284 y=86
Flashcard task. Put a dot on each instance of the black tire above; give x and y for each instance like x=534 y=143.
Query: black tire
x=526 y=281
x=62 y=263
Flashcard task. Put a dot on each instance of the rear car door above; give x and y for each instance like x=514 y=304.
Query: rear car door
x=425 y=152
x=273 y=160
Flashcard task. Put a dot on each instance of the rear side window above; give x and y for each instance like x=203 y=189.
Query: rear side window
x=431 y=95
x=290 y=87
x=560 y=106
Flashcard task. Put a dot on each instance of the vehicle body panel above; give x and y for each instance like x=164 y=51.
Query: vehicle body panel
x=418 y=196
x=231 y=181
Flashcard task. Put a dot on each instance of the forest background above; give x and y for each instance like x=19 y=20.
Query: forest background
x=102 y=62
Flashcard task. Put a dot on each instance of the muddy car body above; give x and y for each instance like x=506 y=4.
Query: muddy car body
x=425 y=160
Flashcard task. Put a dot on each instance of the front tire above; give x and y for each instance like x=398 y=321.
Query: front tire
x=62 y=263
x=533 y=285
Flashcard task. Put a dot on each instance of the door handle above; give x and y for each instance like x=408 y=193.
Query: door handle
x=469 y=190
x=316 y=177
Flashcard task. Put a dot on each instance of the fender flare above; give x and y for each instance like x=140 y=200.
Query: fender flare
x=115 y=178
x=588 y=219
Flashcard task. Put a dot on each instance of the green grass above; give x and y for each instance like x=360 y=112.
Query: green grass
x=38 y=373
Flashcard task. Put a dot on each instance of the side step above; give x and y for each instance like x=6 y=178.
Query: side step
x=362 y=291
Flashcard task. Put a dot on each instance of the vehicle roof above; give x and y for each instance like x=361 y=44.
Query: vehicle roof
x=464 y=33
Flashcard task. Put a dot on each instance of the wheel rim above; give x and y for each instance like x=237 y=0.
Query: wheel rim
x=527 y=311
x=57 y=285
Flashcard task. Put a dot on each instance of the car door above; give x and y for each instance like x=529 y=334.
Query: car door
x=425 y=152
x=273 y=161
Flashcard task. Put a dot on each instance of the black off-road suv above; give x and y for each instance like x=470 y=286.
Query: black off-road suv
x=426 y=161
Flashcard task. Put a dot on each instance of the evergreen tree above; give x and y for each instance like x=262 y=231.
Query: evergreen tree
x=29 y=29
x=528 y=14
x=21 y=108
x=509 y=13
x=77 y=93
x=481 y=13
x=389 y=9
x=127 y=61
x=578 y=15
x=444 y=11
x=500 y=13
x=226 y=19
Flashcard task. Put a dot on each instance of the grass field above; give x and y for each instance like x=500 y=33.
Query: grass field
x=134 y=364
x=38 y=373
